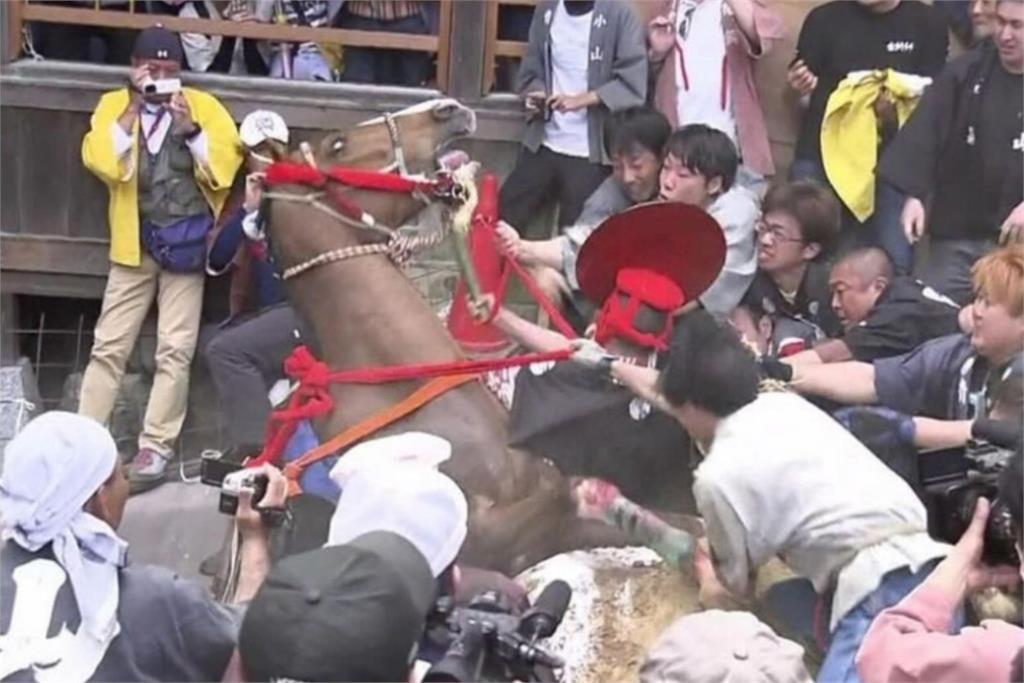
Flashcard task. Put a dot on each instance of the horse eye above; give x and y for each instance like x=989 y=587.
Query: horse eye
x=445 y=111
x=338 y=145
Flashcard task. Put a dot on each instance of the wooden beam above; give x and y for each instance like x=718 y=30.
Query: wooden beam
x=467 y=51
x=14 y=22
x=509 y=48
x=444 y=45
x=260 y=31
x=491 y=33
x=54 y=255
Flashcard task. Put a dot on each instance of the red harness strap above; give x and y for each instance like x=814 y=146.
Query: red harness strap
x=312 y=398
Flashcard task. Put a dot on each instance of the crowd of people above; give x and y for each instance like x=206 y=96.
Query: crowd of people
x=774 y=354
x=309 y=61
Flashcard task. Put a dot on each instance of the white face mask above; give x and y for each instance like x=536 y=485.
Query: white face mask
x=152 y=107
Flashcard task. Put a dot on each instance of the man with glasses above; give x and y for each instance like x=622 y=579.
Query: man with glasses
x=798 y=226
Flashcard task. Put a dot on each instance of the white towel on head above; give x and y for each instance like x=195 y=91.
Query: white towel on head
x=51 y=469
x=393 y=484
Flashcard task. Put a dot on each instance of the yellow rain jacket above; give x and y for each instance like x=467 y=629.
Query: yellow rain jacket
x=224 y=153
x=849 y=132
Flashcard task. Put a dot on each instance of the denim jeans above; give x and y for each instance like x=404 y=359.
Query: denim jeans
x=840 y=660
x=882 y=229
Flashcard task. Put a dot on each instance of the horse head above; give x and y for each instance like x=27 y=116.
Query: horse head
x=409 y=142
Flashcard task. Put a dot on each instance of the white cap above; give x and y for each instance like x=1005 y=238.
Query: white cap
x=723 y=647
x=393 y=484
x=262 y=125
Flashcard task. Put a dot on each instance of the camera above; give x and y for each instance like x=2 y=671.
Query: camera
x=161 y=86
x=951 y=496
x=235 y=483
x=543 y=108
x=486 y=642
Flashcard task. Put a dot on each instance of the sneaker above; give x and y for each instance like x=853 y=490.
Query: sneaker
x=147 y=470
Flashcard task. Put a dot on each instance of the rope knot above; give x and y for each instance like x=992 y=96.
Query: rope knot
x=302 y=366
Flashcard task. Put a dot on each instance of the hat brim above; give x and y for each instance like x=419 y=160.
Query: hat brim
x=679 y=241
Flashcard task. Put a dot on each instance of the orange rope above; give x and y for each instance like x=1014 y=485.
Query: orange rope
x=408 y=405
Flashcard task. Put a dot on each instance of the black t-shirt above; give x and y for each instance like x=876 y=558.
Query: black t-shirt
x=171 y=629
x=907 y=314
x=590 y=427
x=813 y=301
x=842 y=36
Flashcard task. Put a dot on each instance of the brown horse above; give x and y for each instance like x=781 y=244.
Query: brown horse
x=366 y=313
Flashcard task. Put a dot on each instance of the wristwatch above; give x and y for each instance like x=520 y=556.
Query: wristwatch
x=193 y=134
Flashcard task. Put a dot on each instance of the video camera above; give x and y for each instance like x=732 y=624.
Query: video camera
x=231 y=478
x=953 y=482
x=486 y=642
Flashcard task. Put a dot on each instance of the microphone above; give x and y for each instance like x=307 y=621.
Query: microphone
x=546 y=614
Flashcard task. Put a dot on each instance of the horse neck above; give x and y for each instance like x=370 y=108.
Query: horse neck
x=367 y=313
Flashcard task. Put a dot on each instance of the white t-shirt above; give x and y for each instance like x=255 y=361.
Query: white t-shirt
x=568 y=132
x=704 y=95
x=783 y=478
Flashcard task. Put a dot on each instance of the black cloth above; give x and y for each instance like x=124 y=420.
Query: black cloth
x=590 y=427
x=350 y=612
x=841 y=36
x=813 y=301
x=171 y=629
x=962 y=148
x=245 y=361
x=943 y=378
x=543 y=175
x=907 y=314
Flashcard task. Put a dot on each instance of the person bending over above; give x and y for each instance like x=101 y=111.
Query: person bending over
x=883 y=314
x=781 y=477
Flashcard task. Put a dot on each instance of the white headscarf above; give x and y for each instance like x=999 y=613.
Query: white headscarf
x=51 y=468
x=393 y=484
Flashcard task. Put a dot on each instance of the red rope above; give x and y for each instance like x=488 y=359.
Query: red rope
x=288 y=173
x=312 y=398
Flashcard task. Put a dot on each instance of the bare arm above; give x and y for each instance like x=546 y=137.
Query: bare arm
x=849 y=383
x=254 y=561
x=531 y=335
x=542 y=252
x=831 y=351
x=932 y=434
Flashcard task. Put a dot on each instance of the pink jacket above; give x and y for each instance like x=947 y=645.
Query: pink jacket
x=740 y=56
x=909 y=642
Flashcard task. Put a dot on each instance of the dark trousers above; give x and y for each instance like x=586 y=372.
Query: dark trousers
x=882 y=229
x=948 y=268
x=245 y=360
x=539 y=176
x=380 y=66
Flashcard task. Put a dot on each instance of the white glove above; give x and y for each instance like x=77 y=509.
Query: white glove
x=589 y=353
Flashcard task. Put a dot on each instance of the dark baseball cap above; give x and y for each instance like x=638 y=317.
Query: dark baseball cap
x=156 y=42
x=352 y=612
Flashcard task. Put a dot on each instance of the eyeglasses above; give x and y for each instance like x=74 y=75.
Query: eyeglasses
x=776 y=232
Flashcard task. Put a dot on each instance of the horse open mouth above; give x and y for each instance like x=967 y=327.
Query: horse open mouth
x=451 y=160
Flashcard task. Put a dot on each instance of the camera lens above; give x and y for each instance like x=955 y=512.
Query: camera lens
x=149 y=88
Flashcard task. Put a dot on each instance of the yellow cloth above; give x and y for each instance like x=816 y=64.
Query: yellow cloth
x=849 y=132
x=224 y=154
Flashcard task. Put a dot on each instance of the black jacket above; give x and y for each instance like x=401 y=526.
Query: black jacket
x=936 y=154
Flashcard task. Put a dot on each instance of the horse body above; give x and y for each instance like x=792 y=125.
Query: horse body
x=366 y=313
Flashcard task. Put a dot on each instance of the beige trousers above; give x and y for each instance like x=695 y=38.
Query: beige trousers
x=126 y=301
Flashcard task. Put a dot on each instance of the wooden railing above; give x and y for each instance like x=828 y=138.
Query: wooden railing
x=495 y=48
x=20 y=12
